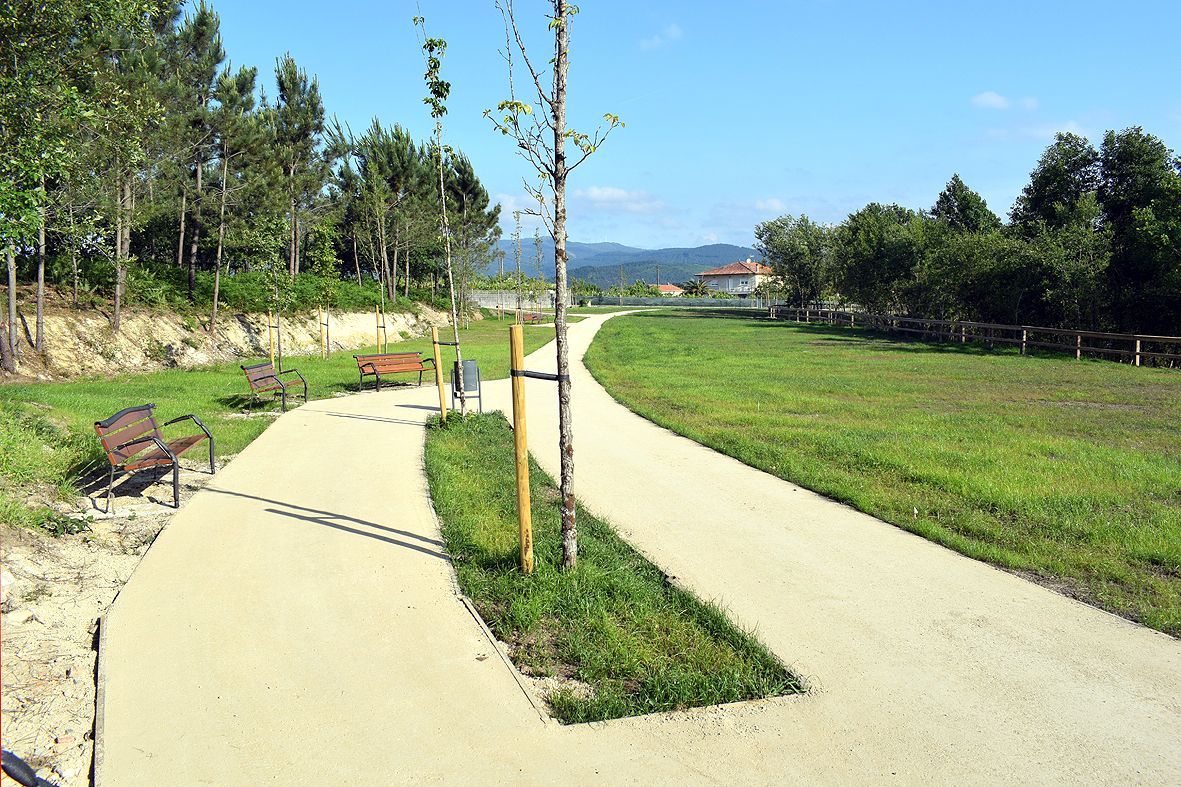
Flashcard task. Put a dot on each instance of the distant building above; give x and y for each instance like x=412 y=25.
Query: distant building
x=737 y=278
x=670 y=290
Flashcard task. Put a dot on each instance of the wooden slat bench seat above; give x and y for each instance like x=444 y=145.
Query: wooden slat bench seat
x=378 y=364
x=262 y=378
x=530 y=318
x=133 y=440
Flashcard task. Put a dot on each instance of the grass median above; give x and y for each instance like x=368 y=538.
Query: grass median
x=47 y=440
x=613 y=637
x=1067 y=471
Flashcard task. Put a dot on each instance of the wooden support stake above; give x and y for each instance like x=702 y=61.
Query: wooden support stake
x=1024 y=336
x=439 y=374
x=1078 y=347
x=524 y=512
x=377 y=328
x=271 y=337
x=1137 y=352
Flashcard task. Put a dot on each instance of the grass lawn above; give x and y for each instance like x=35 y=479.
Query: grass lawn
x=46 y=429
x=613 y=624
x=1067 y=470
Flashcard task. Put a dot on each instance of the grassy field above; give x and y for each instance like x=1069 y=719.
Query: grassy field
x=1069 y=471
x=613 y=624
x=47 y=438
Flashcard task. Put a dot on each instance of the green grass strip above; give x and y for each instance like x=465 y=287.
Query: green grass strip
x=633 y=642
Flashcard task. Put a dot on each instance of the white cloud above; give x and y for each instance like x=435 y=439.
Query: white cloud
x=710 y=237
x=772 y=204
x=671 y=32
x=610 y=198
x=1030 y=103
x=990 y=99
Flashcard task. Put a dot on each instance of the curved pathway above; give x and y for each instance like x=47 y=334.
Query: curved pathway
x=298 y=621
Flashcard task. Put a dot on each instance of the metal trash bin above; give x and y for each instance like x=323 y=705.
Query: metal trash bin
x=471 y=383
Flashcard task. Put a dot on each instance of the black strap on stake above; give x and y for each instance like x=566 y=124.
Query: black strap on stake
x=448 y=344
x=553 y=378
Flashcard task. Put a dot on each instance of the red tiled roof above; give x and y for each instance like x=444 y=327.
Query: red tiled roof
x=668 y=288
x=738 y=269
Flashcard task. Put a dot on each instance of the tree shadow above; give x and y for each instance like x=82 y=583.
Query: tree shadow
x=335 y=521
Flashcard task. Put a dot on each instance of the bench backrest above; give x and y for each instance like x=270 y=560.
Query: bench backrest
x=261 y=376
x=390 y=361
x=123 y=427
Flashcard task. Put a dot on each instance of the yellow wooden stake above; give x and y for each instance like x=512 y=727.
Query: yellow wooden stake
x=439 y=374
x=271 y=337
x=377 y=329
x=524 y=511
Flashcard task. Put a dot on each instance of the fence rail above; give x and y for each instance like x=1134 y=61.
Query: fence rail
x=1134 y=348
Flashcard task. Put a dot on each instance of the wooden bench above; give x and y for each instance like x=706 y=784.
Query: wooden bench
x=530 y=318
x=262 y=378
x=377 y=364
x=133 y=441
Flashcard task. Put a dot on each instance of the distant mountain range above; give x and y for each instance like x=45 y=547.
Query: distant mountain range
x=599 y=263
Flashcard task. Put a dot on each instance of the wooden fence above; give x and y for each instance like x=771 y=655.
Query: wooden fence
x=1137 y=349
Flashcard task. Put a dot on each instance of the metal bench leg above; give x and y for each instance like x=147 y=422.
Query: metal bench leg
x=110 y=485
x=377 y=379
x=176 y=484
x=212 y=465
x=420 y=378
x=283 y=392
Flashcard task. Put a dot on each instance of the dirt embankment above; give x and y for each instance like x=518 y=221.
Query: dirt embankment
x=80 y=343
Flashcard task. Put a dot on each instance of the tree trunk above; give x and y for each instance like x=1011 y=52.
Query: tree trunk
x=387 y=281
x=291 y=239
x=565 y=423
x=74 y=256
x=8 y=340
x=221 y=238
x=450 y=276
x=356 y=259
x=196 y=237
x=122 y=246
x=180 y=236
x=407 y=233
x=39 y=340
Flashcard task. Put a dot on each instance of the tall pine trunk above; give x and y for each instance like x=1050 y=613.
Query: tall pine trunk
x=180 y=235
x=407 y=232
x=356 y=259
x=39 y=340
x=291 y=238
x=8 y=340
x=565 y=423
x=221 y=238
x=196 y=236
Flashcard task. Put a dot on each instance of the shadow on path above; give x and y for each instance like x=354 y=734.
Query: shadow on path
x=320 y=517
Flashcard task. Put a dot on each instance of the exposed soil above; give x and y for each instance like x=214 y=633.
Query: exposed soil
x=80 y=342
x=54 y=591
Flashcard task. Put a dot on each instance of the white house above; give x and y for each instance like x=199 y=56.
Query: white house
x=737 y=278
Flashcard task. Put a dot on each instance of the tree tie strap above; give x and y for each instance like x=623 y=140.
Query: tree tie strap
x=540 y=375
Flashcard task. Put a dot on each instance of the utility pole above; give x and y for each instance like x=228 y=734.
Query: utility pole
x=621 y=284
x=658 y=274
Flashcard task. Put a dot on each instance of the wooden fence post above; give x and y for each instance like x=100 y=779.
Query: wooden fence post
x=1137 y=352
x=1024 y=337
x=439 y=373
x=524 y=511
x=1078 y=347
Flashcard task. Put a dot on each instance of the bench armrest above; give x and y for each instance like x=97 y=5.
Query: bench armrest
x=194 y=419
x=152 y=439
x=425 y=361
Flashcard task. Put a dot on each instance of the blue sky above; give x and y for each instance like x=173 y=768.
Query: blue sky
x=742 y=111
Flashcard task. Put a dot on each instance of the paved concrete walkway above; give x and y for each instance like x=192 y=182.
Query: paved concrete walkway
x=298 y=621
